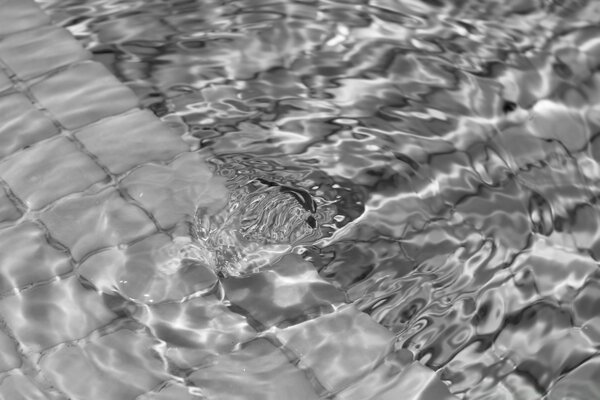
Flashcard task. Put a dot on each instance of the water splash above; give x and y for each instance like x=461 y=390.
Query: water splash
x=266 y=216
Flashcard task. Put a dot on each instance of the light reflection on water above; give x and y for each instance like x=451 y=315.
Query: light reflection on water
x=457 y=142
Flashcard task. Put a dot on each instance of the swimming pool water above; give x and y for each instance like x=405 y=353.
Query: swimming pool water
x=434 y=164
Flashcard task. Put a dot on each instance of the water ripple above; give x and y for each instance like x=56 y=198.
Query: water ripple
x=437 y=161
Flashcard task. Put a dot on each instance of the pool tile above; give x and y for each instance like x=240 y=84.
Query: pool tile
x=48 y=171
x=172 y=192
x=171 y=391
x=17 y=386
x=53 y=47
x=120 y=365
x=9 y=355
x=5 y=82
x=22 y=124
x=8 y=210
x=30 y=258
x=195 y=330
x=44 y=316
x=129 y=140
x=82 y=94
x=398 y=378
x=259 y=371
x=383 y=378
x=338 y=348
x=18 y=15
x=148 y=271
x=417 y=383
x=582 y=382
x=537 y=352
x=552 y=119
x=91 y=222
x=556 y=270
x=289 y=292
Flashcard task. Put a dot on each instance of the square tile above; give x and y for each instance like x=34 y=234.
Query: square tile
x=259 y=371
x=289 y=292
x=48 y=171
x=381 y=379
x=418 y=383
x=30 y=259
x=172 y=192
x=5 y=82
x=148 y=271
x=129 y=140
x=338 y=348
x=17 y=386
x=398 y=377
x=9 y=354
x=195 y=330
x=82 y=94
x=49 y=46
x=553 y=119
x=21 y=124
x=18 y=15
x=44 y=316
x=120 y=365
x=95 y=221
x=582 y=382
x=8 y=210
x=172 y=390
x=90 y=383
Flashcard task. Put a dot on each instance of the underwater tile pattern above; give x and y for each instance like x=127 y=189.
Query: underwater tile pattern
x=126 y=141
x=5 y=82
x=16 y=385
x=65 y=303
x=60 y=94
x=38 y=177
x=20 y=267
x=17 y=50
x=258 y=359
x=8 y=210
x=171 y=191
x=95 y=195
x=22 y=124
x=116 y=222
x=118 y=365
x=288 y=293
x=20 y=15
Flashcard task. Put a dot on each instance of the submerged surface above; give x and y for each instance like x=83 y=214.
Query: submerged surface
x=450 y=149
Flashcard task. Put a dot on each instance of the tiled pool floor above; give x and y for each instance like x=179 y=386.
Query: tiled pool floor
x=92 y=190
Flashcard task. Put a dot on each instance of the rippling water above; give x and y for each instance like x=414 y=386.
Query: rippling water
x=437 y=160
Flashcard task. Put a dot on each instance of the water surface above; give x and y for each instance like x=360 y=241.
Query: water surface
x=440 y=160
